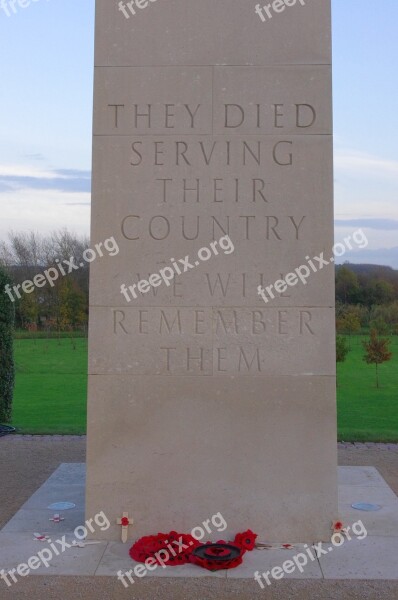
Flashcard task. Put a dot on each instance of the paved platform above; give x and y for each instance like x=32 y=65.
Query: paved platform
x=373 y=557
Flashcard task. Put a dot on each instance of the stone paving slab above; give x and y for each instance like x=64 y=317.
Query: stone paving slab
x=18 y=548
x=371 y=558
x=57 y=492
x=374 y=557
x=33 y=520
x=263 y=561
x=116 y=558
x=365 y=476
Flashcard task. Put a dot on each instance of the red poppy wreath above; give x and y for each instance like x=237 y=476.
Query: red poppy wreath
x=172 y=549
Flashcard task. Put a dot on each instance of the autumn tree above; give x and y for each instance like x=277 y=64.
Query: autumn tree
x=72 y=305
x=377 y=351
x=25 y=255
x=385 y=313
x=380 y=326
x=349 y=321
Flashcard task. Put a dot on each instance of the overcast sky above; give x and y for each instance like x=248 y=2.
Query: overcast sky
x=46 y=112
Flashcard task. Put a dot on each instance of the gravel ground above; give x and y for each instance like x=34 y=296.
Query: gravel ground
x=27 y=461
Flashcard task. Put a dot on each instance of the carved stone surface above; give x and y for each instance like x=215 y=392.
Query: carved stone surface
x=212 y=169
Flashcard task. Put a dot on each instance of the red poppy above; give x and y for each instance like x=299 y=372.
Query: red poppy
x=183 y=546
x=147 y=547
x=246 y=540
x=125 y=522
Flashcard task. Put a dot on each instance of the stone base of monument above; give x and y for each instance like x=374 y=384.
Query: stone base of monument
x=373 y=557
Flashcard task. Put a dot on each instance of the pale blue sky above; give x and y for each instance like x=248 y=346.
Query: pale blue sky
x=365 y=57
x=46 y=109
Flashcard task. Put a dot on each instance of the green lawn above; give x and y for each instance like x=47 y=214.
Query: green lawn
x=50 y=393
x=366 y=413
x=51 y=385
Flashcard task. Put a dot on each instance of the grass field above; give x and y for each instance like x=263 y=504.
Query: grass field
x=50 y=393
x=366 y=413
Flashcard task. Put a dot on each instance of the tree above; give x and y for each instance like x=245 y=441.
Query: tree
x=387 y=313
x=349 y=322
x=377 y=351
x=379 y=292
x=7 y=368
x=347 y=285
x=72 y=304
x=28 y=309
x=342 y=349
x=380 y=326
x=384 y=292
x=25 y=255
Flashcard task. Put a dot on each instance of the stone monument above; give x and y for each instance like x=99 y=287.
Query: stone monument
x=212 y=169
